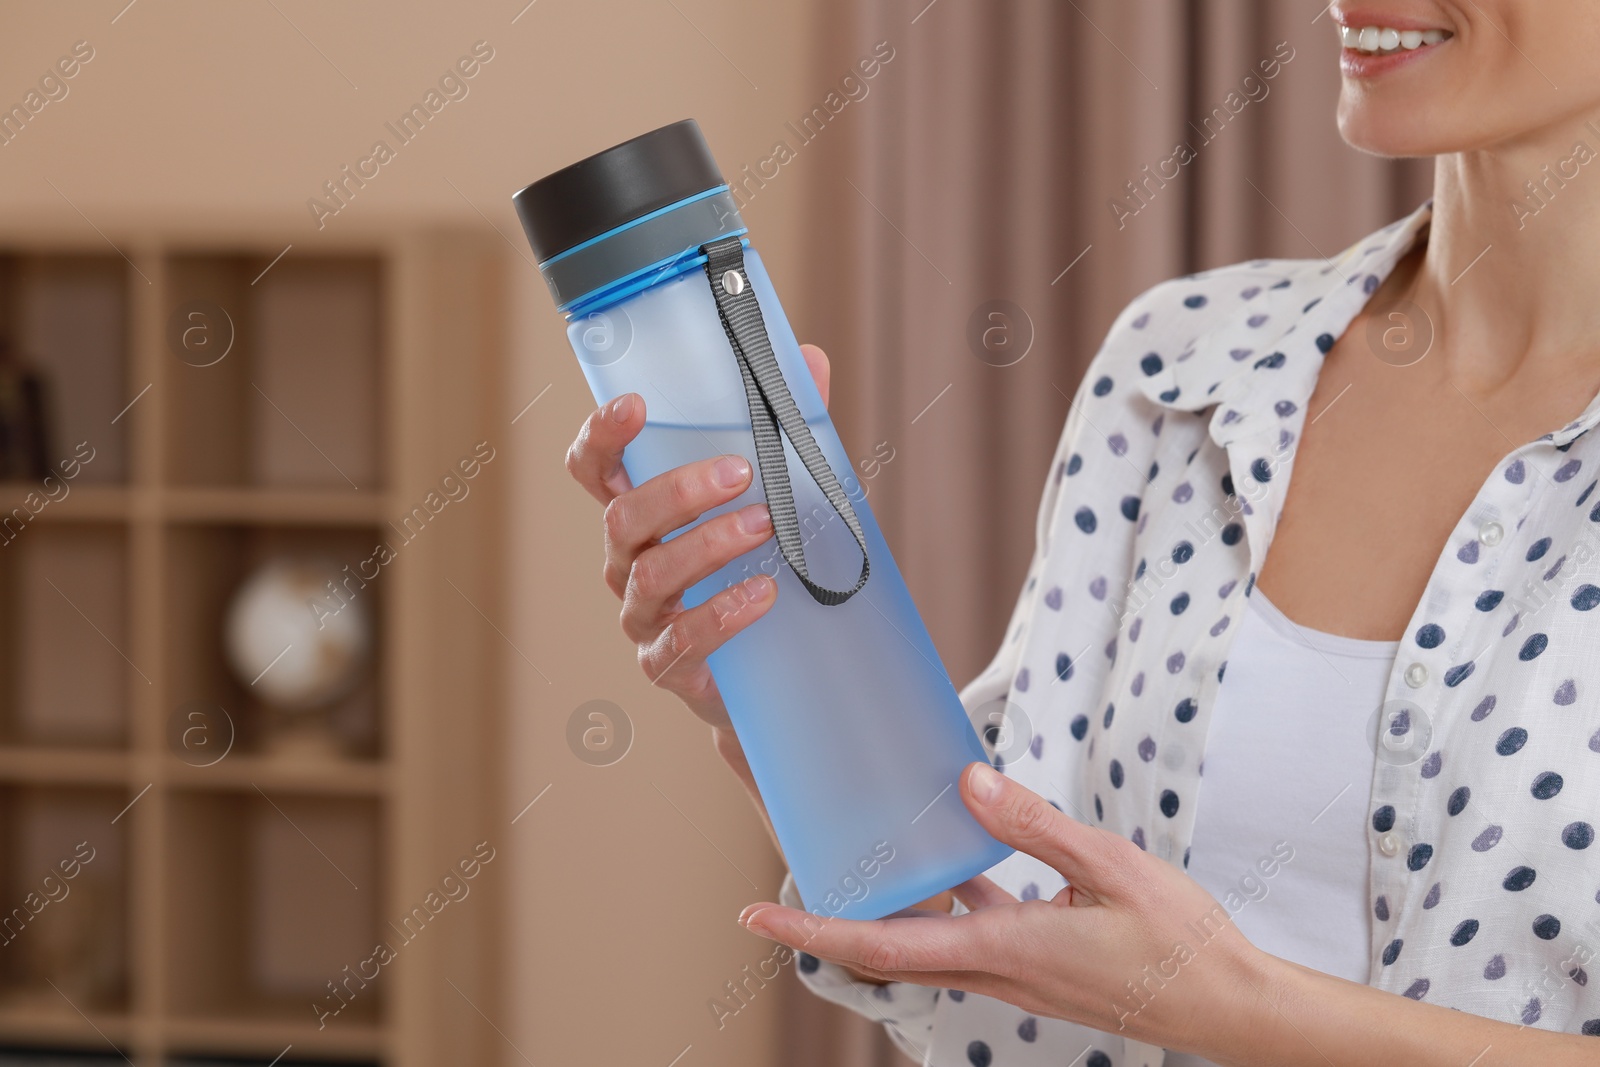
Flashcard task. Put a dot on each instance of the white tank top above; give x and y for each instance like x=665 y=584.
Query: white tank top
x=1280 y=830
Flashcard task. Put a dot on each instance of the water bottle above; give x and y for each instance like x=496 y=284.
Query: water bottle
x=853 y=731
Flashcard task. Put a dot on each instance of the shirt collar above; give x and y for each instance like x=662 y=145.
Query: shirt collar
x=1259 y=362
x=1575 y=429
x=1262 y=359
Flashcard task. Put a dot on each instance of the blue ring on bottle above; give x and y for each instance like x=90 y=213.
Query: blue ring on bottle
x=646 y=277
x=630 y=257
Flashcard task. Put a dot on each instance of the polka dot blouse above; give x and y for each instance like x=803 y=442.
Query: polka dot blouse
x=1485 y=778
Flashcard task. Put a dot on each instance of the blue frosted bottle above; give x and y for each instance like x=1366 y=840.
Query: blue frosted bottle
x=853 y=731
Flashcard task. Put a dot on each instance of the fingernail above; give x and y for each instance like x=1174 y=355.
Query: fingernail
x=731 y=471
x=755 y=519
x=744 y=916
x=985 y=784
x=756 y=588
x=622 y=407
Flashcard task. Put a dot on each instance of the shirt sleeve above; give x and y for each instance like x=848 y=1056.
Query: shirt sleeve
x=905 y=1010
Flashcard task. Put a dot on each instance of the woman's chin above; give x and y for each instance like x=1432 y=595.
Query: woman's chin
x=1391 y=132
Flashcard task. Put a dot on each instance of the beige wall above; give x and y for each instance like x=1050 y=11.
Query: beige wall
x=621 y=910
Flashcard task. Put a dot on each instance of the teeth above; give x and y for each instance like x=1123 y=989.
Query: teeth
x=1382 y=39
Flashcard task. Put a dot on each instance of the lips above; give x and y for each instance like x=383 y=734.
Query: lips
x=1373 y=45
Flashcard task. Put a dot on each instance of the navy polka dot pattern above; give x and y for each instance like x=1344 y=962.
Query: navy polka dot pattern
x=1484 y=871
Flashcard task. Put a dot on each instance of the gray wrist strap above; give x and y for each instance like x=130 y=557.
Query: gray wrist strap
x=772 y=409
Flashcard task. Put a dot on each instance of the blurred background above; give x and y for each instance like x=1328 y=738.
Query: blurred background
x=238 y=380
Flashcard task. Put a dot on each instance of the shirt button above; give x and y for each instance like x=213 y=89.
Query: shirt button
x=1491 y=533
x=1416 y=676
x=1388 y=844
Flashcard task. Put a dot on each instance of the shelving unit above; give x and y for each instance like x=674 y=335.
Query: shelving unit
x=227 y=895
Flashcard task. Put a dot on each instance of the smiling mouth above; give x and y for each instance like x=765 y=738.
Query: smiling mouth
x=1384 y=41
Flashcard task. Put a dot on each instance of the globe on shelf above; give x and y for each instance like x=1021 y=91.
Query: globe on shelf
x=298 y=647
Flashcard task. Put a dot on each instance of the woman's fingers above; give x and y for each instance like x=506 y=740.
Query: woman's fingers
x=886 y=948
x=674 y=658
x=663 y=504
x=650 y=575
x=595 y=458
x=662 y=572
x=973 y=952
x=821 y=370
x=1089 y=858
x=980 y=892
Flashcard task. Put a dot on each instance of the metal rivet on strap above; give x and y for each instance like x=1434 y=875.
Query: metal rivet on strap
x=732 y=283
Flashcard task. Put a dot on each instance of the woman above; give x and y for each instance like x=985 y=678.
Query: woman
x=1401 y=784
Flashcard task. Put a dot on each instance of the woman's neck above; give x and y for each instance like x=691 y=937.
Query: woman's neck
x=1511 y=274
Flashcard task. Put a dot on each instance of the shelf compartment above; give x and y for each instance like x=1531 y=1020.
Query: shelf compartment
x=275 y=380
x=65 y=903
x=271 y=897
x=64 y=635
x=65 y=319
x=206 y=565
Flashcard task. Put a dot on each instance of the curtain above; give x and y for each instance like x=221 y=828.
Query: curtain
x=979 y=212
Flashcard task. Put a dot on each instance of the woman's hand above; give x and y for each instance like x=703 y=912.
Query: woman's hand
x=1135 y=946
x=650 y=576
x=1104 y=952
